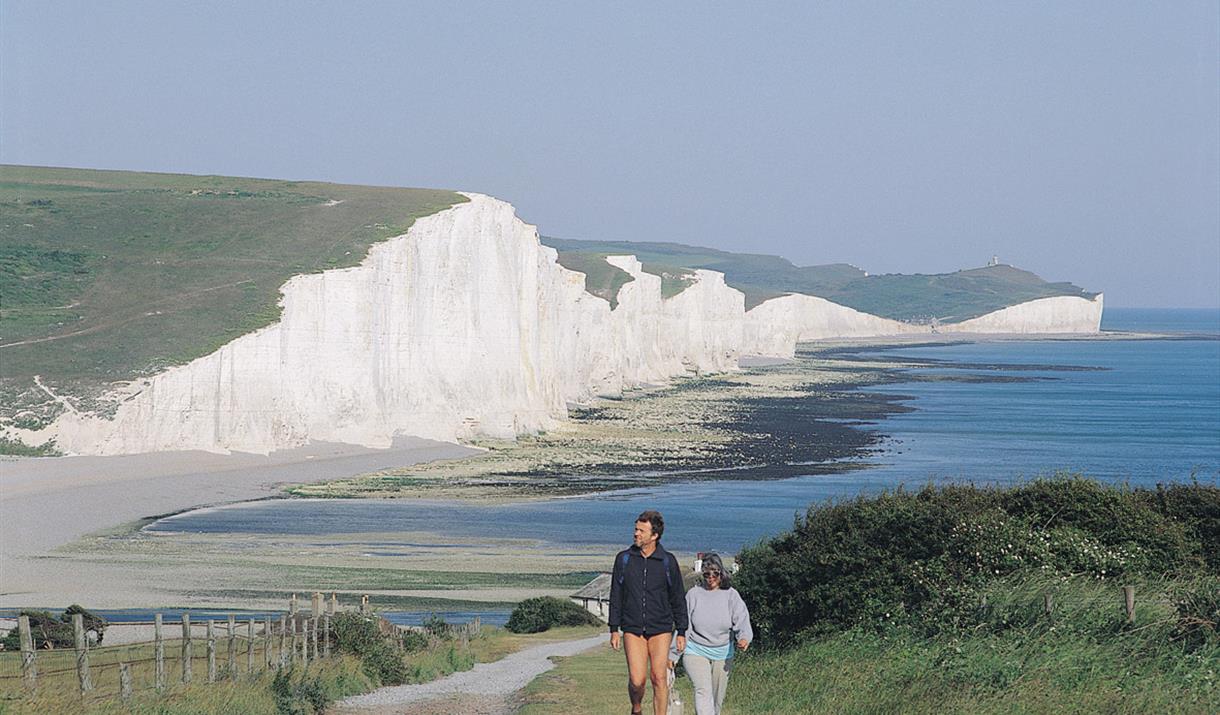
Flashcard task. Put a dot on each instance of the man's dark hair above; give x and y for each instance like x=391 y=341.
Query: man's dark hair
x=654 y=518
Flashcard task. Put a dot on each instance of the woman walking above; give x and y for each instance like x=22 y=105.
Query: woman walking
x=718 y=622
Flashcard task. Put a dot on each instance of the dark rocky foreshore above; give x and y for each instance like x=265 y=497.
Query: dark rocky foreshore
x=812 y=415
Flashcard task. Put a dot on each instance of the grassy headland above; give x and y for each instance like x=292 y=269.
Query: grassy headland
x=111 y=275
x=948 y=297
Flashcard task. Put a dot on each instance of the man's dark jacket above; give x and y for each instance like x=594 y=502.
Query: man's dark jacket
x=644 y=598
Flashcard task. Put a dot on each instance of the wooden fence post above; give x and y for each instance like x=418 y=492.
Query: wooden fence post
x=267 y=635
x=316 y=604
x=364 y=603
x=313 y=637
x=29 y=667
x=125 y=681
x=1129 y=602
x=1048 y=603
x=284 y=641
x=231 y=666
x=211 y=651
x=158 y=653
x=294 y=643
x=187 y=654
x=333 y=605
x=478 y=626
x=292 y=605
x=326 y=636
x=82 y=653
x=250 y=646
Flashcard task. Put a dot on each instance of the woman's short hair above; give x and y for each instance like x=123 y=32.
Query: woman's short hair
x=712 y=562
x=655 y=519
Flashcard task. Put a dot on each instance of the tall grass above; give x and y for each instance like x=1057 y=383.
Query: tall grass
x=250 y=695
x=1083 y=657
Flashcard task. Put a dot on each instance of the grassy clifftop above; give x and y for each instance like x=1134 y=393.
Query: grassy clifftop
x=948 y=297
x=959 y=599
x=108 y=275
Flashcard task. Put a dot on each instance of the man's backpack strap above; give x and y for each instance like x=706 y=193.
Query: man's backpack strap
x=622 y=572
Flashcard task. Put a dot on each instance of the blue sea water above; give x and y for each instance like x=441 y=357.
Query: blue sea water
x=1181 y=321
x=1151 y=415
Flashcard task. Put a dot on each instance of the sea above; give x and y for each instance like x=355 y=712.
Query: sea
x=1147 y=413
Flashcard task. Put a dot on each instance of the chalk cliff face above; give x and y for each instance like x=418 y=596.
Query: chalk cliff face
x=774 y=327
x=1061 y=314
x=465 y=326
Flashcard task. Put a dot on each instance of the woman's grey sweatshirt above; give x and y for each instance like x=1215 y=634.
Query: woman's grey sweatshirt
x=713 y=614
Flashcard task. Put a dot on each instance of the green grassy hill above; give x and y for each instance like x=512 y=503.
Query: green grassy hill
x=948 y=297
x=109 y=275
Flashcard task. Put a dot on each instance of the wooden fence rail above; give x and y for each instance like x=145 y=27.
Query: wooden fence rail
x=298 y=637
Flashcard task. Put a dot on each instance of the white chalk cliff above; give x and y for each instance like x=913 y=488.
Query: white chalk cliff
x=774 y=327
x=1060 y=314
x=467 y=325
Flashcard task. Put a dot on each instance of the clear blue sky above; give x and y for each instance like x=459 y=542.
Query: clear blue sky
x=1078 y=140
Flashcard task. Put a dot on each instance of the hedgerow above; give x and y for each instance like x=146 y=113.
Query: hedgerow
x=924 y=558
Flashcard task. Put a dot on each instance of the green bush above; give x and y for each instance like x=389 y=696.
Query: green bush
x=299 y=696
x=359 y=634
x=1196 y=507
x=46 y=627
x=1198 y=613
x=414 y=641
x=924 y=558
x=535 y=615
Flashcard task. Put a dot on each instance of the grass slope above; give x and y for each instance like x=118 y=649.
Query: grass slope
x=110 y=275
x=1081 y=658
x=948 y=297
x=936 y=601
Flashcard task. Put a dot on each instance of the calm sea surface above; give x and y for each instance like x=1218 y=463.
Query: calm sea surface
x=1153 y=415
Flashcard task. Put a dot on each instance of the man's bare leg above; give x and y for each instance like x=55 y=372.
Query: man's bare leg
x=636 y=648
x=658 y=652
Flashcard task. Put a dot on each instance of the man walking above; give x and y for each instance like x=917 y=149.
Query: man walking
x=648 y=603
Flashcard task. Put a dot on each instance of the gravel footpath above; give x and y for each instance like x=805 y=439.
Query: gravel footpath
x=483 y=689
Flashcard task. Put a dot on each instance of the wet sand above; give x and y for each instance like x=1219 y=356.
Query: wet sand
x=51 y=502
